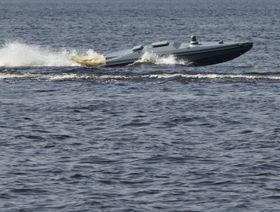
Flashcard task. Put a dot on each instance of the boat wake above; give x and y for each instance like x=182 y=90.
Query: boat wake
x=201 y=77
x=16 y=54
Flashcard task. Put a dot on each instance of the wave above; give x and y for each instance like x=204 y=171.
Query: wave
x=217 y=76
x=61 y=77
x=140 y=77
x=16 y=54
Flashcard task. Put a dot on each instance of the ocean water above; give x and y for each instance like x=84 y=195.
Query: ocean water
x=158 y=137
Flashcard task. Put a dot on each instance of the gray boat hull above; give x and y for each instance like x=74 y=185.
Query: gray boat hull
x=198 y=54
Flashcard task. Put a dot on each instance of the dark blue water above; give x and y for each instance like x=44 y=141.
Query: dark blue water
x=138 y=138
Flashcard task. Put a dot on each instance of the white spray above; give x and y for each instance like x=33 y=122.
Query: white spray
x=15 y=54
x=149 y=57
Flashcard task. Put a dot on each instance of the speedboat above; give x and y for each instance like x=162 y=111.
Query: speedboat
x=195 y=53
